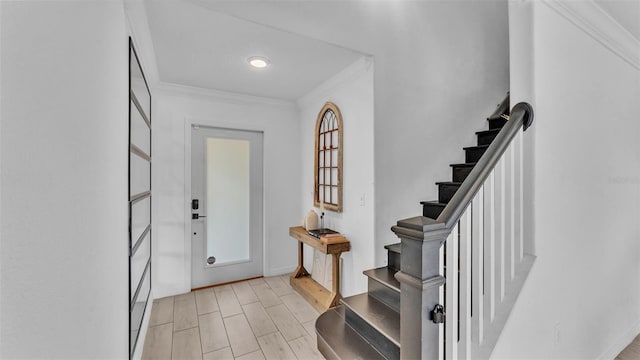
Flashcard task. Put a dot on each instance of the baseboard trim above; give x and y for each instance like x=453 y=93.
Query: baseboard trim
x=226 y=283
x=281 y=270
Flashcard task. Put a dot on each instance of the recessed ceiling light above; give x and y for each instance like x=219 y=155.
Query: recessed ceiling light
x=258 y=61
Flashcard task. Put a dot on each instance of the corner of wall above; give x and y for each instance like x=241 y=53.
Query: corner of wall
x=352 y=91
x=138 y=29
x=353 y=71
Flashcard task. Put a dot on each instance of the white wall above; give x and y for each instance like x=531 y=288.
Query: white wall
x=441 y=67
x=352 y=91
x=585 y=186
x=439 y=74
x=64 y=180
x=172 y=106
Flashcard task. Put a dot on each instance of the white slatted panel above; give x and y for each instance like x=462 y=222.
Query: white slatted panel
x=451 y=328
x=465 y=285
x=483 y=252
x=477 y=267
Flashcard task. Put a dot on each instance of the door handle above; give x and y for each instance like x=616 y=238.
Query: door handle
x=197 y=216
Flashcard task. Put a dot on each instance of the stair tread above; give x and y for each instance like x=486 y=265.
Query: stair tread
x=472 y=164
x=498 y=117
x=448 y=183
x=490 y=131
x=343 y=340
x=378 y=315
x=396 y=248
x=476 y=147
x=433 y=202
x=384 y=275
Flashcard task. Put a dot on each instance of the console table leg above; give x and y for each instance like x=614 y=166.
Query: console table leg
x=335 y=270
x=300 y=270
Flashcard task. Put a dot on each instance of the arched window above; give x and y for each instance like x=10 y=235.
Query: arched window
x=328 y=158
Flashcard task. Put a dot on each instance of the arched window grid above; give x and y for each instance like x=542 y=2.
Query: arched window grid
x=328 y=159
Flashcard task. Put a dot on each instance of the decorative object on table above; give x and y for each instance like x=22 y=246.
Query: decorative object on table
x=310 y=221
x=317 y=233
x=321 y=215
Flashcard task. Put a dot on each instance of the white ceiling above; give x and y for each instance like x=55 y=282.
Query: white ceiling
x=205 y=43
x=197 y=46
x=335 y=22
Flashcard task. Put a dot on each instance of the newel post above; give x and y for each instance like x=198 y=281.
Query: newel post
x=420 y=281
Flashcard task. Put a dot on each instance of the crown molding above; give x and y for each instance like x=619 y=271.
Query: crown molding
x=347 y=75
x=598 y=24
x=221 y=96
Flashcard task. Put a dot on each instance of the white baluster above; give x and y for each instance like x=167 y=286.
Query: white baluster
x=489 y=249
x=451 y=327
x=465 y=284
x=518 y=200
x=508 y=216
x=477 y=262
x=499 y=220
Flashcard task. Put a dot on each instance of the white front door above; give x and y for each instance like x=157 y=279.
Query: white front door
x=226 y=207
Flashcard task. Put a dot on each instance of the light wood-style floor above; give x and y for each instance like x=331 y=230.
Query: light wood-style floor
x=631 y=352
x=256 y=319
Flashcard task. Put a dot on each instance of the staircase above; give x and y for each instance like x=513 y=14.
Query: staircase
x=367 y=326
x=446 y=189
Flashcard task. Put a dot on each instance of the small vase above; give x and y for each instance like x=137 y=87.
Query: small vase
x=311 y=220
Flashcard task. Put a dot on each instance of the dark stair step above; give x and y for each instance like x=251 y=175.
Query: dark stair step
x=383 y=286
x=432 y=209
x=474 y=153
x=496 y=122
x=486 y=137
x=446 y=189
x=337 y=340
x=460 y=172
x=393 y=255
x=374 y=321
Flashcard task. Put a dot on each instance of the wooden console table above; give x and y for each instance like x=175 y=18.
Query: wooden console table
x=320 y=297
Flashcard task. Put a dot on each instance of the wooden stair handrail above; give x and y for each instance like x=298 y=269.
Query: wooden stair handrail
x=521 y=117
x=420 y=275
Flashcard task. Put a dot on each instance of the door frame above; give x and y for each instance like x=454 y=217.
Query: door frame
x=225 y=125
